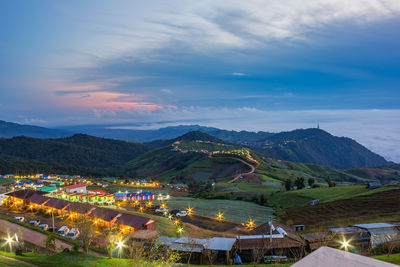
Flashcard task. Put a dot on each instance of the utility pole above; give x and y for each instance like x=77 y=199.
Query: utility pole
x=52 y=216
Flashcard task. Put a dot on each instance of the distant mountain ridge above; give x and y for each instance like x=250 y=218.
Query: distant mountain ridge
x=78 y=150
x=10 y=129
x=304 y=145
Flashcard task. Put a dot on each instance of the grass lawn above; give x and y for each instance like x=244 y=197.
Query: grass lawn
x=301 y=197
x=395 y=259
x=234 y=210
x=256 y=187
x=11 y=263
x=72 y=259
x=69 y=259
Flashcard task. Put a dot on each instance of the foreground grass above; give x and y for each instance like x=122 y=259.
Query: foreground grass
x=11 y=263
x=73 y=259
x=395 y=259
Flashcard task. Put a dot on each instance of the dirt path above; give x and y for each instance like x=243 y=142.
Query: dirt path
x=252 y=169
x=23 y=263
x=35 y=237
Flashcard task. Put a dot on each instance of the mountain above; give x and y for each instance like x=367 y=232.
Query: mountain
x=304 y=145
x=9 y=129
x=78 y=150
x=312 y=145
x=190 y=136
x=320 y=147
x=122 y=132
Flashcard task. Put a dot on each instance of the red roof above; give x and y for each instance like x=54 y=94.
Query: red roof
x=75 y=186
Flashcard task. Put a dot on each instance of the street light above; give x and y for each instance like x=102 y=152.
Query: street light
x=250 y=224
x=120 y=245
x=9 y=241
x=220 y=216
x=189 y=210
x=345 y=244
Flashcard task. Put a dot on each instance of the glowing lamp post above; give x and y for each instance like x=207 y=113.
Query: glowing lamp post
x=9 y=240
x=189 y=210
x=345 y=244
x=120 y=245
x=179 y=230
x=250 y=224
x=220 y=216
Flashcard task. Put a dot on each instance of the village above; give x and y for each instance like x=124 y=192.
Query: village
x=57 y=203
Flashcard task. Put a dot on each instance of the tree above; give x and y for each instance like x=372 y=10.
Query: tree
x=311 y=181
x=299 y=182
x=86 y=232
x=113 y=237
x=288 y=184
x=20 y=242
x=262 y=199
x=330 y=182
x=51 y=242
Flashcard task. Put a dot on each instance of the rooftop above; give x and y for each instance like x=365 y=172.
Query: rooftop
x=374 y=225
x=74 y=186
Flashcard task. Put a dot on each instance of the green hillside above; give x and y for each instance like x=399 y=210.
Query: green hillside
x=179 y=167
x=78 y=152
x=287 y=199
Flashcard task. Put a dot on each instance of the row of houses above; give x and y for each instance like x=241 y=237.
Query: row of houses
x=271 y=238
x=362 y=237
x=100 y=216
x=281 y=242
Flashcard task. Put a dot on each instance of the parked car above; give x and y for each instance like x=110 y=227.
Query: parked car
x=182 y=213
x=51 y=229
x=44 y=226
x=73 y=233
x=174 y=212
x=63 y=230
x=34 y=222
x=18 y=218
x=161 y=210
x=274 y=259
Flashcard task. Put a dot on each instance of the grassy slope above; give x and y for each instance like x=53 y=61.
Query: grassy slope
x=10 y=262
x=301 y=197
x=84 y=260
x=379 y=205
x=395 y=259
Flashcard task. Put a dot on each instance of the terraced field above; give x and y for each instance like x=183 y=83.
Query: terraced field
x=301 y=197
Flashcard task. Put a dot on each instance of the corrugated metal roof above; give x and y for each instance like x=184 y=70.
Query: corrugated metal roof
x=220 y=243
x=374 y=225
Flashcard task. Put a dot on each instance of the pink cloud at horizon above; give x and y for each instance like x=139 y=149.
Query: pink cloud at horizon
x=111 y=101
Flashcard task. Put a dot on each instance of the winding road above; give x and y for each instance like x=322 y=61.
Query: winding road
x=237 y=177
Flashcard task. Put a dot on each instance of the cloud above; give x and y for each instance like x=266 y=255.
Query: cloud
x=239 y=74
x=166 y=91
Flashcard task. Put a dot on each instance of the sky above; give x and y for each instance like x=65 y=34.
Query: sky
x=243 y=65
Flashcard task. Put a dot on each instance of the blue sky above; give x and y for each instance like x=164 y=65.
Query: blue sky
x=255 y=65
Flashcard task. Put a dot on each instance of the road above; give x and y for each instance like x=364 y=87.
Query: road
x=35 y=237
x=252 y=169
